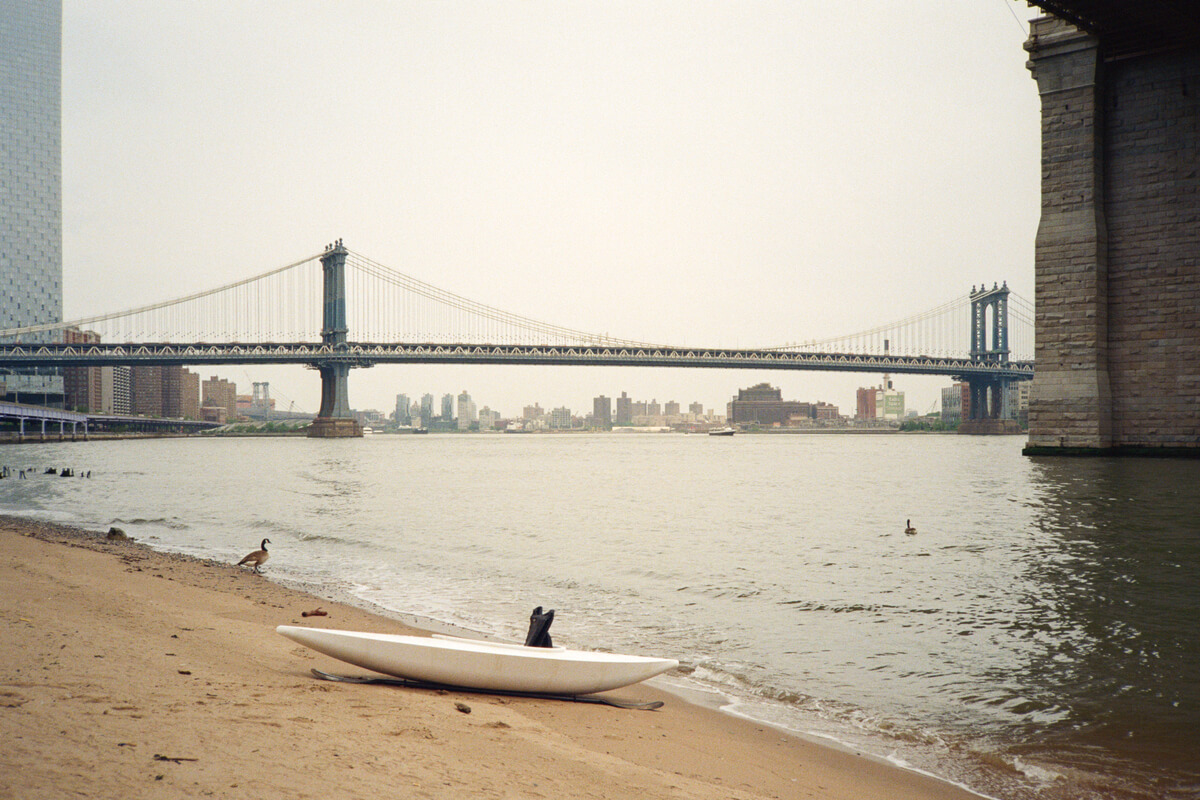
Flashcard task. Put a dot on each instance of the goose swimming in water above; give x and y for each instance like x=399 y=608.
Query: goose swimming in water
x=258 y=557
x=908 y=528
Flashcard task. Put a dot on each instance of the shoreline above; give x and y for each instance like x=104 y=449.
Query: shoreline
x=119 y=656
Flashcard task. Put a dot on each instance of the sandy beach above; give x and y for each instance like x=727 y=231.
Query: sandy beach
x=132 y=673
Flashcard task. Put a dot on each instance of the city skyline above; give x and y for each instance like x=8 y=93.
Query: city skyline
x=713 y=392
x=414 y=398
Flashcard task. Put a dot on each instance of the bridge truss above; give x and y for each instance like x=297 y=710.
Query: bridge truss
x=367 y=354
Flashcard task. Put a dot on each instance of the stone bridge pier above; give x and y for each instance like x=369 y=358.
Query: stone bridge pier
x=1117 y=254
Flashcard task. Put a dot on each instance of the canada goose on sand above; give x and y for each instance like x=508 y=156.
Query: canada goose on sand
x=258 y=557
x=908 y=528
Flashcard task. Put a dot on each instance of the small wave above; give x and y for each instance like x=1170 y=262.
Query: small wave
x=268 y=525
x=895 y=760
x=1040 y=775
x=843 y=738
x=324 y=537
x=742 y=685
x=61 y=517
x=173 y=524
x=848 y=608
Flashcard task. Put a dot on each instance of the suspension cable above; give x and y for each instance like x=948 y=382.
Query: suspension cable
x=52 y=326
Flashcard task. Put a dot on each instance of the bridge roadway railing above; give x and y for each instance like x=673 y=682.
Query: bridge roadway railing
x=368 y=354
x=40 y=415
x=24 y=415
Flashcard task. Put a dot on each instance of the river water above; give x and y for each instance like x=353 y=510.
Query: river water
x=1036 y=638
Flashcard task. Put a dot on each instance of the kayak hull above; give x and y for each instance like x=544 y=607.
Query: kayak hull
x=479 y=664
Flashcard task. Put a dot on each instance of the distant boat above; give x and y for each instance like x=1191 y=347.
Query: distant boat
x=722 y=432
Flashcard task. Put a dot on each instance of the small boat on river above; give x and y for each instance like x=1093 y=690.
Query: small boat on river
x=480 y=664
x=722 y=432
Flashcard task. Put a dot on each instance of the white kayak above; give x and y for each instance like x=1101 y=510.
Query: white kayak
x=478 y=664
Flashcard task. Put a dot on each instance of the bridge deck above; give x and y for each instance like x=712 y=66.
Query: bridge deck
x=367 y=354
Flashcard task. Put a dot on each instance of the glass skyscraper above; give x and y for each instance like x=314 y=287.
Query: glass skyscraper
x=31 y=180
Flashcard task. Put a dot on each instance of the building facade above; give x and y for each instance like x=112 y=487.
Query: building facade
x=560 y=419
x=624 y=413
x=467 y=415
x=954 y=399
x=189 y=394
x=83 y=387
x=879 y=402
x=827 y=412
x=145 y=388
x=488 y=419
x=426 y=410
x=865 y=405
x=117 y=390
x=172 y=395
x=890 y=402
x=219 y=393
x=168 y=391
x=403 y=413
x=763 y=404
x=602 y=411
x=31 y=175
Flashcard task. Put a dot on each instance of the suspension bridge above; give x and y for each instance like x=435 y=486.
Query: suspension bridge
x=304 y=312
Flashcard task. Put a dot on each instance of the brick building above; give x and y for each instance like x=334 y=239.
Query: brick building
x=189 y=395
x=169 y=391
x=83 y=387
x=172 y=407
x=866 y=402
x=145 y=390
x=624 y=413
x=764 y=404
x=220 y=393
x=826 y=412
x=602 y=411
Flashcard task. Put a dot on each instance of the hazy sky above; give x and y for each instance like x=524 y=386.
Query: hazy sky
x=724 y=173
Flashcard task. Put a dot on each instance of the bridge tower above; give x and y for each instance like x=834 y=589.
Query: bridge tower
x=986 y=393
x=1116 y=270
x=334 y=419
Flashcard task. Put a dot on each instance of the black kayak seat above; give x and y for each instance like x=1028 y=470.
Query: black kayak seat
x=539 y=628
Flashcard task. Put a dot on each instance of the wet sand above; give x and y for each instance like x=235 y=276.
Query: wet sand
x=132 y=673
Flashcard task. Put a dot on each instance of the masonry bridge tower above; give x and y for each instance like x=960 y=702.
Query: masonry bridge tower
x=1117 y=255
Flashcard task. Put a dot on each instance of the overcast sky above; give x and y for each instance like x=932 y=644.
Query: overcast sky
x=724 y=173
